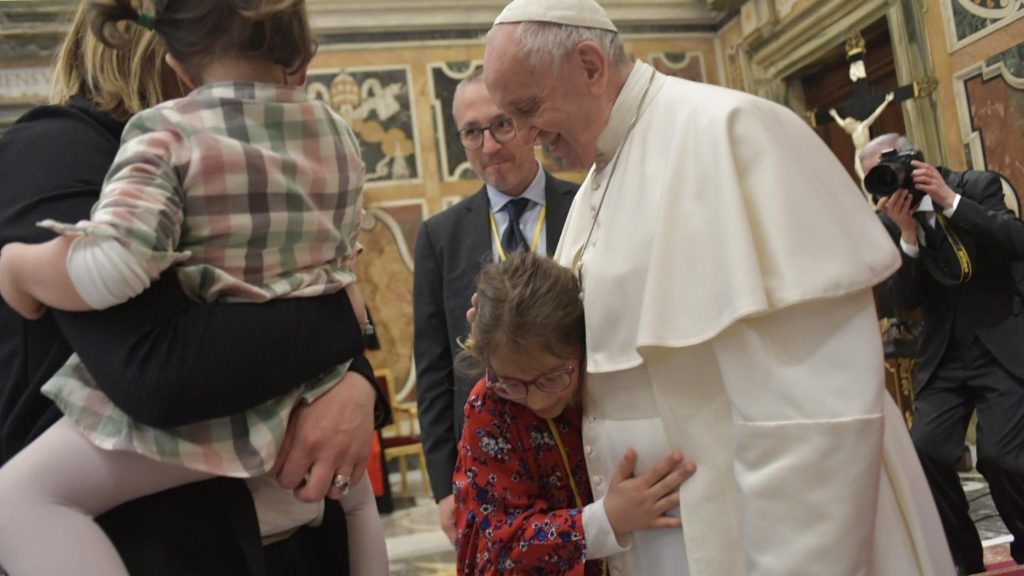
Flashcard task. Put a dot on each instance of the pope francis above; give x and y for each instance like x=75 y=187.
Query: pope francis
x=726 y=262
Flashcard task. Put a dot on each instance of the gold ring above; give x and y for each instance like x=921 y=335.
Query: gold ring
x=341 y=481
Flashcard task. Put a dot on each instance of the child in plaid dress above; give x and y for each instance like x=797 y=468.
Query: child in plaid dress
x=255 y=191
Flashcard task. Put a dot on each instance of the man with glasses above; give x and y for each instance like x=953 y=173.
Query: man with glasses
x=520 y=207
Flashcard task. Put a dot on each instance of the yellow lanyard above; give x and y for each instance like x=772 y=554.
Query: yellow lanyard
x=565 y=460
x=568 y=473
x=536 y=233
x=958 y=247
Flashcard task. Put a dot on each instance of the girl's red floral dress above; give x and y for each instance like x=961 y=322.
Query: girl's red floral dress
x=516 y=511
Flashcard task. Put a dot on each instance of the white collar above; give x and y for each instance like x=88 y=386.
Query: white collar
x=622 y=112
x=925 y=205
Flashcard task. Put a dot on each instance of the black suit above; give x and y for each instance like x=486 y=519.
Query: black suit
x=451 y=248
x=970 y=356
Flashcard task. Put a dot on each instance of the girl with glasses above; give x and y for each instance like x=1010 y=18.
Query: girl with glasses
x=522 y=494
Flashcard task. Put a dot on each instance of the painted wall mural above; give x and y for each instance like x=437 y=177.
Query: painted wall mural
x=968 y=20
x=377 y=103
x=990 y=102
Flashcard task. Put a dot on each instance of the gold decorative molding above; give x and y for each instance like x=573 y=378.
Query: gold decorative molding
x=362 y=16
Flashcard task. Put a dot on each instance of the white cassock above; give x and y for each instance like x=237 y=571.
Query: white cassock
x=730 y=316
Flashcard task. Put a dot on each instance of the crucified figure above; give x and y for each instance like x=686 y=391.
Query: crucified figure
x=858 y=130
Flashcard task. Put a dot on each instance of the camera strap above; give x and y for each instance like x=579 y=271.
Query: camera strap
x=958 y=248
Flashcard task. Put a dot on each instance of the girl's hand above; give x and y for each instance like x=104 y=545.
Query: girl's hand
x=641 y=502
x=12 y=290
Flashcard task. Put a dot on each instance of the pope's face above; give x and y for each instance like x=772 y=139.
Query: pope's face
x=549 y=105
x=510 y=166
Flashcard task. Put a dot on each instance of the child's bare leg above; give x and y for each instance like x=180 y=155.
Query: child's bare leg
x=367 y=551
x=51 y=491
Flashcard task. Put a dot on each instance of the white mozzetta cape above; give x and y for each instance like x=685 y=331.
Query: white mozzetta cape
x=729 y=315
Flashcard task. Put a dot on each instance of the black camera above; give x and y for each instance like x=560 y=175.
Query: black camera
x=892 y=173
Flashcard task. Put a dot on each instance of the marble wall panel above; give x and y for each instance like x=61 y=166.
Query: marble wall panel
x=991 y=107
x=969 y=20
x=385 y=278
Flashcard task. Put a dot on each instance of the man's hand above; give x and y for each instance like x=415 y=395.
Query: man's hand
x=12 y=289
x=446 y=514
x=929 y=180
x=640 y=502
x=332 y=435
x=898 y=208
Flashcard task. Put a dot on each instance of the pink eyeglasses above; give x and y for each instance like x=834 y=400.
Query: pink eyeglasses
x=514 y=389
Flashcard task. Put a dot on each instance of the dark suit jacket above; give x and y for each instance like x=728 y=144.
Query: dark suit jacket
x=989 y=305
x=451 y=248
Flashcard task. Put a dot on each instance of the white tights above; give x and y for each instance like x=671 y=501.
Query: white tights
x=52 y=490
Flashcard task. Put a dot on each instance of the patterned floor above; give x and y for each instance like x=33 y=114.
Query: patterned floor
x=417 y=547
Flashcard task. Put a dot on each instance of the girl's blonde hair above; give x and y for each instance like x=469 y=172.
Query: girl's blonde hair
x=525 y=303
x=119 y=81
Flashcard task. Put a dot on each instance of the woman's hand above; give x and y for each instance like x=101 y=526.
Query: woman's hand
x=358 y=304
x=330 y=436
x=641 y=502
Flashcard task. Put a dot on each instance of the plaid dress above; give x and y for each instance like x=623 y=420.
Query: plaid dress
x=256 y=190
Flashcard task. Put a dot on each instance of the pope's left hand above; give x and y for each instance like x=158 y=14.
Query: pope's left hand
x=927 y=179
x=329 y=436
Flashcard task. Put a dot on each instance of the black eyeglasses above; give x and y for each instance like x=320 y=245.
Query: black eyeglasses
x=503 y=130
x=515 y=389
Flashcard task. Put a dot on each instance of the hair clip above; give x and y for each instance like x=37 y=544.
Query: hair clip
x=147 y=21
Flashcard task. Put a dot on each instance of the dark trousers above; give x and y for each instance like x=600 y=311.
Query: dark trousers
x=969 y=378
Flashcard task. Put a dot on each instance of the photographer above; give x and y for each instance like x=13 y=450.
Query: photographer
x=959 y=241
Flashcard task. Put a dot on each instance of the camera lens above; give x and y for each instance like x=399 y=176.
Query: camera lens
x=882 y=180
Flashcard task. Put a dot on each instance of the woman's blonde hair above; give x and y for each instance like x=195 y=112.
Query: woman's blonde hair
x=119 y=81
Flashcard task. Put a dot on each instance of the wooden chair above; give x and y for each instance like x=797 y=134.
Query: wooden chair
x=401 y=438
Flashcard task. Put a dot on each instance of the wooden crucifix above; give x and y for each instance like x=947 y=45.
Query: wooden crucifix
x=858 y=114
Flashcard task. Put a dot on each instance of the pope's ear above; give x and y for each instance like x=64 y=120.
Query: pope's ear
x=593 y=61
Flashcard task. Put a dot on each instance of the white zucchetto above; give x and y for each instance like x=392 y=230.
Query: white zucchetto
x=581 y=13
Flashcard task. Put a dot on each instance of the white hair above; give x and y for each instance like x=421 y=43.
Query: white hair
x=549 y=44
x=885 y=142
